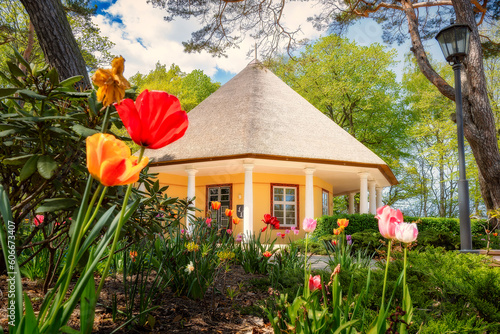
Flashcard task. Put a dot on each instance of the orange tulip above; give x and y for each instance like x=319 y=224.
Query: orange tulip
x=236 y=220
x=267 y=254
x=229 y=212
x=336 y=231
x=215 y=205
x=109 y=161
x=495 y=234
x=342 y=222
x=112 y=84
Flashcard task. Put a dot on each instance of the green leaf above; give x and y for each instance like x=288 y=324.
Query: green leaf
x=30 y=318
x=16 y=71
x=69 y=330
x=55 y=204
x=29 y=168
x=83 y=131
x=71 y=81
x=46 y=166
x=6 y=133
x=53 y=77
x=17 y=160
x=87 y=305
x=77 y=94
x=20 y=58
x=30 y=94
x=7 y=91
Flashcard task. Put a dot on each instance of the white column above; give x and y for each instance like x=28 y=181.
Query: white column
x=248 y=200
x=373 y=197
x=379 y=197
x=191 y=191
x=351 y=203
x=309 y=192
x=363 y=192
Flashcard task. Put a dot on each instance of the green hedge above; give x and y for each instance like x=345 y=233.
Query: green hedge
x=361 y=222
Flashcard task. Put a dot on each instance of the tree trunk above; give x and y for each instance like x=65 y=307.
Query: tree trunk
x=56 y=38
x=479 y=123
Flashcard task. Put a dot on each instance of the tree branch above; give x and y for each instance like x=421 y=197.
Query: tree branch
x=420 y=55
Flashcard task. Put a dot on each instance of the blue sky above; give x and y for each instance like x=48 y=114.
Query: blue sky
x=143 y=38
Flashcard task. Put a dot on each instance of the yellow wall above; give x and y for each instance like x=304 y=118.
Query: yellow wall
x=261 y=191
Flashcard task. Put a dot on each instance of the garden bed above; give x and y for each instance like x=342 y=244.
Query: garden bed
x=176 y=314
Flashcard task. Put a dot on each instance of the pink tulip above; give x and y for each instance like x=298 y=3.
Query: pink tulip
x=314 y=282
x=229 y=231
x=388 y=219
x=406 y=232
x=209 y=222
x=309 y=225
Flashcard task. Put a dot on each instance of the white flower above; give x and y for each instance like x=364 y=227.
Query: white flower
x=190 y=267
x=406 y=232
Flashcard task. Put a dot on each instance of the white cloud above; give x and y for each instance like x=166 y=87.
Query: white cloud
x=143 y=38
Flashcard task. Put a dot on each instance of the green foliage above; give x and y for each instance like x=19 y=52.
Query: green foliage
x=450 y=323
x=355 y=87
x=251 y=251
x=195 y=258
x=191 y=88
x=357 y=223
x=287 y=268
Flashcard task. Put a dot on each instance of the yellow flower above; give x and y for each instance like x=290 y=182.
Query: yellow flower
x=111 y=82
x=192 y=246
x=226 y=255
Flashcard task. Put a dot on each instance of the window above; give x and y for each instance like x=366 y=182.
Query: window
x=284 y=203
x=325 y=202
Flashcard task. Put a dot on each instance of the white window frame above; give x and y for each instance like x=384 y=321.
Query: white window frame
x=285 y=203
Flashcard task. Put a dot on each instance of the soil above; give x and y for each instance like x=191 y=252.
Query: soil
x=215 y=313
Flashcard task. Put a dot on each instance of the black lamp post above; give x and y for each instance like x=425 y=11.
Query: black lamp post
x=454 y=42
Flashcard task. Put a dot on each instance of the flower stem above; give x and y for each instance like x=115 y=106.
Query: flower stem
x=117 y=232
x=106 y=120
x=305 y=268
x=389 y=246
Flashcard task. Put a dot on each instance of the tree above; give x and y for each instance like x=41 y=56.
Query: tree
x=354 y=86
x=56 y=38
x=190 y=88
x=401 y=19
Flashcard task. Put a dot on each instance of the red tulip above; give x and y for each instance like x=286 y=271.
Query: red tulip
x=229 y=212
x=154 y=120
x=388 y=219
x=215 y=205
x=267 y=254
x=314 y=282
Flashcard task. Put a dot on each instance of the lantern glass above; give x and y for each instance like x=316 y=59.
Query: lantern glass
x=454 y=41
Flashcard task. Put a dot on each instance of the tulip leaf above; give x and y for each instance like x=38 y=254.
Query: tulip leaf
x=77 y=94
x=55 y=204
x=71 y=81
x=46 y=166
x=16 y=71
x=29 y=168
x=83 y=131
x=7 y=91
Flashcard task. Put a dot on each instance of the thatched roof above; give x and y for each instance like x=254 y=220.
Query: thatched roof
x=257 y=114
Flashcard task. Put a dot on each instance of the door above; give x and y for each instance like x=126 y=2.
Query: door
x=222 y=194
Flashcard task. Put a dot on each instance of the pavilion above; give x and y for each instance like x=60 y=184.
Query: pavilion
x=258 y=146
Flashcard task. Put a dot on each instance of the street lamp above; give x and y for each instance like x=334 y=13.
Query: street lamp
x=454 y=42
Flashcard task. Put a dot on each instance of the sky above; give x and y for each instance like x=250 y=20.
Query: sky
x=143 y=38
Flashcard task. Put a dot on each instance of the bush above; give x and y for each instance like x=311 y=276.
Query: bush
x=357 y=223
